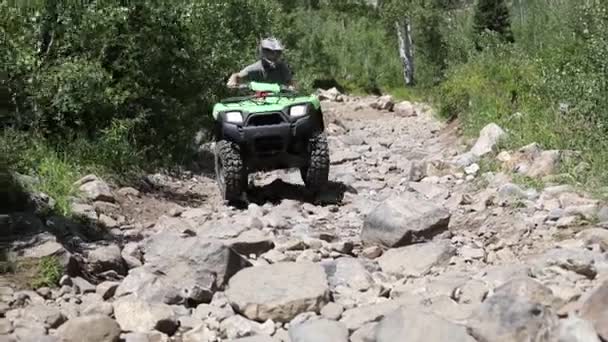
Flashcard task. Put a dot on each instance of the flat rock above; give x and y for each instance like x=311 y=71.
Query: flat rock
x=332 y=311
x=48 y=316
x=106 y=258
x=419 y=326
x=430 y=191
x=179 y=269
x=134 y=315
x=416 y=260
x=349 y=272
x=403 y=220
x=279 y=291
x=321 y=330
x=252 y=241
x=575 y=329
x=593 y=236
x=580 y=261
x=367 y=333
x=95 y=189
x=357 y=317
x=93 y=328
x=199 y=334
x=595 y=309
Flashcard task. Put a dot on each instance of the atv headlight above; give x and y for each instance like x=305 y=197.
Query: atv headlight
x=297 y=111
x=234 y=117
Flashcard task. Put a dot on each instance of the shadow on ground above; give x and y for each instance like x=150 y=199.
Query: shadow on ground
x=278 y=190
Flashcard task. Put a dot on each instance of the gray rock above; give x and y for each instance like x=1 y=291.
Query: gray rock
x=132 y=255
x=348 y=272
x=93 y=328
x=83 y=210
x=575 y=329
x=94 y=189
x=48 y=316
x=239 y=326
x=253 y=241
x=45 y=245
x=106 y=289
x=145 y=337
x=602 y=214
x=199 y=334
x=180 y=269
x=367 y=333
x=403 y=220
x=206 y=311
x=106 y=258
x=416 y=260
x=405 y=109
x=104 y=308
x=340 y=157
x=496 y=276
x=135 y=315
x=358 y=317
x=419 y=326
x=580 y=261
x=332 y=311
x=595 y=309
x=83 y=286
x=489 y=136
x=278 y=291
x=430 y=191
x=593 y=236
x=321 y=330
x=515 y=313
x=6 y=327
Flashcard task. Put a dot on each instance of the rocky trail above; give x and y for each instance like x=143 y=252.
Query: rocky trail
x=411 y=241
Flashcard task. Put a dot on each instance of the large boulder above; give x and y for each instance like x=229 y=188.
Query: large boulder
x=413 y=325
x=92 y=328
x=489 y=136
x=138 y=316
x=180 y=269
x=595 y=309
x=517 y=311
x=279 y=291
x=403 y=220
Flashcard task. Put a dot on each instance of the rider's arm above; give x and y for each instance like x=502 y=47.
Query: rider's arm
x=234 y=80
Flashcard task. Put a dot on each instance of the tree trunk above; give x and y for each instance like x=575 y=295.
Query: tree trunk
x=404 y=35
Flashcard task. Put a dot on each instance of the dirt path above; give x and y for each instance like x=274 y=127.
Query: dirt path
x=405 y=241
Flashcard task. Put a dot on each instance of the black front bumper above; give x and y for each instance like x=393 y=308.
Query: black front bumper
x=275 y=145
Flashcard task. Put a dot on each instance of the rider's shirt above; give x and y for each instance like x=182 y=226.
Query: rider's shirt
x=258 y=72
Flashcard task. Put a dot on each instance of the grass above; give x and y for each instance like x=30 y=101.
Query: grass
x=49 y=273
x=56 y=167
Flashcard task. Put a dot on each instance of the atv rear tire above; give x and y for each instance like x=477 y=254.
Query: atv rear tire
x=229 y=170
x=316 y=173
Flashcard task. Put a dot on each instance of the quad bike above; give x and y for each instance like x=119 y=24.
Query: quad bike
x=269 y=128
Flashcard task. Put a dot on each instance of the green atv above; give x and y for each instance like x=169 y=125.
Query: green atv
x=269 y=128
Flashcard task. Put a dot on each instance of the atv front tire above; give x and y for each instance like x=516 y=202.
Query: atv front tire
x=229 y=170
x=316 y=173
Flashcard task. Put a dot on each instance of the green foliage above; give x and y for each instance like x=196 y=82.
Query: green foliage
x=549 y=87
x=49 y=273
x=493 y=16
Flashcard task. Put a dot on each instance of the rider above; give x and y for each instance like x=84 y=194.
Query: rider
x=270 y=68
